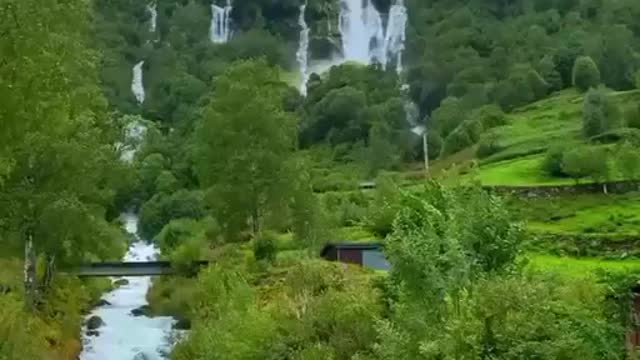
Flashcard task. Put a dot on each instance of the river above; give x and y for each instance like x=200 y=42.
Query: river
x=123 y=336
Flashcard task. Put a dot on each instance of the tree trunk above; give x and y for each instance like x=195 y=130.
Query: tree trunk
x=30 y=279
x=605 y=190
x=255 y=220
x=49 y=272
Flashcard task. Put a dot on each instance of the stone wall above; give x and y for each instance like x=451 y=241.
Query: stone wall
x=603 y=245
x=615 y=187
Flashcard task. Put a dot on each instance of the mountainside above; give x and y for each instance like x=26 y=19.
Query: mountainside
x=481 y=155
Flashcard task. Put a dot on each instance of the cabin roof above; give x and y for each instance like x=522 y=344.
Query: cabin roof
x=350 y=246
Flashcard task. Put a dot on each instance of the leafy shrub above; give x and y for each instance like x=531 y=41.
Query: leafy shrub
x=632 y=116
x=188 y=252
x=490 y=116
x=585 y=73
x=383 y=209
x=590 y=162
x=175 y=233
x=599 y=113
x=446 y=118
x=434 y=144
x=488 y=146
x=629 y=135
x=459 y=139
x=21 y=334
x=474 y=129
x=264 y=247
x=162 y=208
x=552 y=163
x=334 y=181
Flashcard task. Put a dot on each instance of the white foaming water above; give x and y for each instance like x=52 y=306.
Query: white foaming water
x=396 y=34
x=133 y=136
x=124 y=337
x=220 y=31
x=137 y=86
x=364 y=37
x=361 y=29
x=153 y=10
x=303 y=50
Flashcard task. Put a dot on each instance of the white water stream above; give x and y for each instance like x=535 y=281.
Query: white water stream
x=303 y=50
x=123 y=336
x=153 y=10
x=137 y=87
x=220 y=31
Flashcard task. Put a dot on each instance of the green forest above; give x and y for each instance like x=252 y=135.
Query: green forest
x=520 y=241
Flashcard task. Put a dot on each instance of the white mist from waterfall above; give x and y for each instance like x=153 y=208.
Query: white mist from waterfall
x=364 y=36
x=303 y=50
x=153 y=11
x=137 y=86
x=220 y=31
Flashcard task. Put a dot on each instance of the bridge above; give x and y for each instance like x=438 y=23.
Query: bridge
x=132 y=269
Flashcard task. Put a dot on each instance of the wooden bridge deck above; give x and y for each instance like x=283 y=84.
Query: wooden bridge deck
x=150 y=268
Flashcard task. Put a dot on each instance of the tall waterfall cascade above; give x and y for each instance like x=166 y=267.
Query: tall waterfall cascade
x=153 y=11
x=220 y=31
x=361 y=29
x=364 y=36
x=396 y=34
x=137 y=86
x=303 y=50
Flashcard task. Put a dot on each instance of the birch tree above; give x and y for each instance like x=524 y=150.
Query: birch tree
x=243 y=146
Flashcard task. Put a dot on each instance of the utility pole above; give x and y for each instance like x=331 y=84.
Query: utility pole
x=425 y=150
x=421 y=131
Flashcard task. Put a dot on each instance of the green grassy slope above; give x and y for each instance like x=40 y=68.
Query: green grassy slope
x=579 y=268
x=531 y=131
x=583 y=214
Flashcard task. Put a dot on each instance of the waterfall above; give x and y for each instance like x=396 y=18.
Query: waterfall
x=221 y=23
x=364 y=37
x=136 y=85
x=303 y=50
x=396 y=34
x=361 y=29
x=153 y=10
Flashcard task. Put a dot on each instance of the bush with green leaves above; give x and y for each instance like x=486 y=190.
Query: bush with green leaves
x=382 y=211
x=264 y=246
x=461 y=293
x=599 y=114
x=458 y=140
x=162 y=208
x=586 y=74
x=312 y=306
x=552 y=163
x=489 y=145
x=627 y=161
x=591 y=162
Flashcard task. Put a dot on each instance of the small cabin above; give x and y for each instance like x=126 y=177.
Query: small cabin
x=368 y=255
